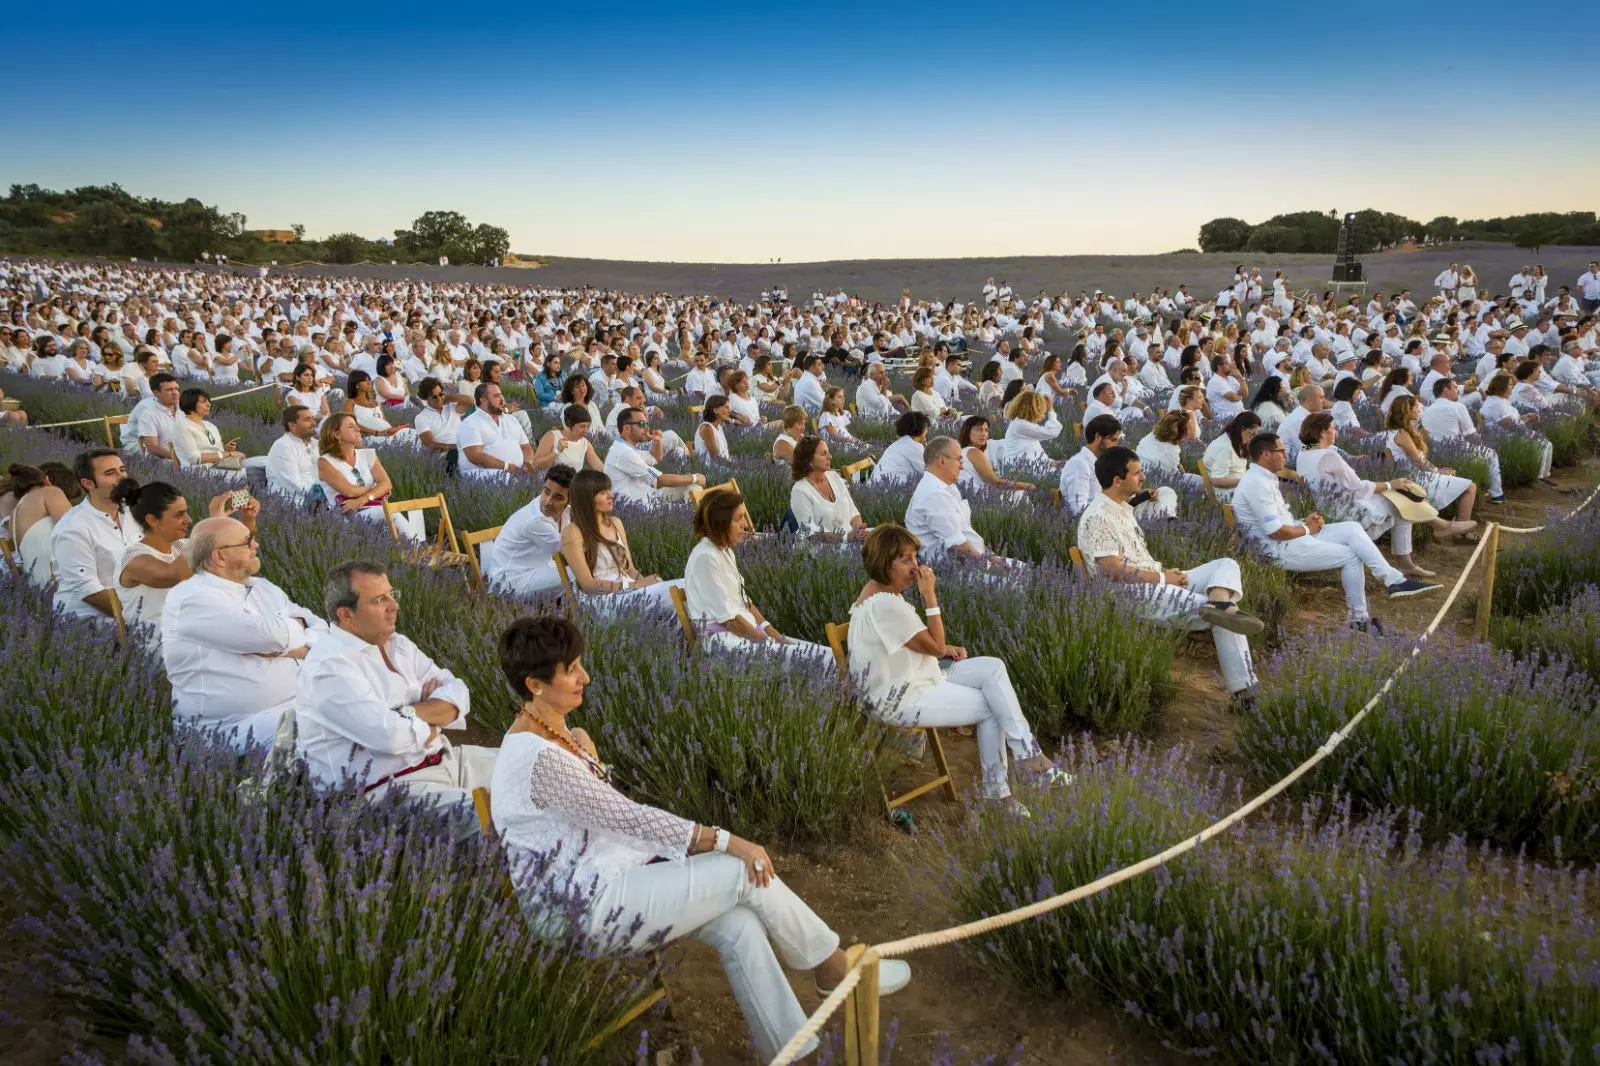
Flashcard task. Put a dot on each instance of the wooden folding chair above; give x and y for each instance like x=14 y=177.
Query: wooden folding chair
x=445 y=550
x=849 y=472
x=111 y=438
x=680 y=604
x=116 y=617
x=469 y=544
x=1227 y=515
x=657 y=994
x=9 y=549
x=838 y=639
x=1078 y=564
x=569 y=591
x=696 y=492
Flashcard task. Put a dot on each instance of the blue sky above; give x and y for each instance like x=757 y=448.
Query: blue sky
x=806 y=131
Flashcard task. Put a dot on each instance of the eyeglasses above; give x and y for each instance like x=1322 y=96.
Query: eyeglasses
x=251 y=543
x=392 y=596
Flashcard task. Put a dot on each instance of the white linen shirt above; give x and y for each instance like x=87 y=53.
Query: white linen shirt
x=901 y=460
x=632 y=472
x=86 y=548
x=1259 y=509
x=292 y=466
x=1078 y=484
x=941 y=518
x=355 y=713
x=522 y=553
x=1447 y=418
x=222 y=643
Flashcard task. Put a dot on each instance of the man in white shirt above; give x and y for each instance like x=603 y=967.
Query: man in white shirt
x=1113 y=544
x=632 y=469
x=1448 y=417
x=372 y=705
x=874 y=400
x=519 y=560
x=1572 y=369
x=86 y=545
x=809 y=386
x=367 y=358
x=153 y=422
x=1226 y=391
x=1308 y=401
x=47 y=362
x=1262 y=516
x=232 y=642
x=902 y=460
x=439 y=421
x=490 y=440
x=1448 y=281
x=292 y=459
x=938 y=515
x=1589 y=288
x=1079 y=485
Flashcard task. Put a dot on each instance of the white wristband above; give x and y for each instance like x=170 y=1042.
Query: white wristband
x=723 y=836
x=932 y=611
x=1161 y=577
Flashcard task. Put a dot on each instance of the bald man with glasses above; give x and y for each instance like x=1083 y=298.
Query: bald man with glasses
x=232 y=642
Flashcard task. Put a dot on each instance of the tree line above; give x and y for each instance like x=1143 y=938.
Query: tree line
x=107 y=220
x=1312 y=231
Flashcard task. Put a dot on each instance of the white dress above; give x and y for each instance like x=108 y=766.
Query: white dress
x=1442 y=489
x=570 y=453
x=721 y=438
x=839 y=423
x=34 y=552
x=747 y=407
x=606 y=569
x=791 y=441
x=143 y=604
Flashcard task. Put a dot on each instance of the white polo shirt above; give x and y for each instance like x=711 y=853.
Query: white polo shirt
x=444 y=425
x=503 y=439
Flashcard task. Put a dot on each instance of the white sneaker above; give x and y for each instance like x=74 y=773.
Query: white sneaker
x=893 y=975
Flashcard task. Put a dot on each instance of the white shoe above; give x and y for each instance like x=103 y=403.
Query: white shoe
x=893 y=975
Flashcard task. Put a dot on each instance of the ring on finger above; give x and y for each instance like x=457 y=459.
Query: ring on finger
x=760 y=865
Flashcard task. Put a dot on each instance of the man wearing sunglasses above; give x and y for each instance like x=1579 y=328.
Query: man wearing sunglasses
x=632 y=469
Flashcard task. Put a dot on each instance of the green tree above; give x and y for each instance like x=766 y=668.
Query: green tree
x=1535 y=231
x=489 y=243
x=1443 y=228
x=1318 y=232
x=1224 y=235
x=436 y=233
x=345 y=247
x=1272 y=238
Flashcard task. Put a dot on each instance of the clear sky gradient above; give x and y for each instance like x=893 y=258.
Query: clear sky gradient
x=743 y=132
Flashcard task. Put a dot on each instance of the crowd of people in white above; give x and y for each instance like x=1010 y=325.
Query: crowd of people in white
x=363 y=365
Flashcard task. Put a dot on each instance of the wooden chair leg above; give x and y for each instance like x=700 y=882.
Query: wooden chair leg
x=944 y=766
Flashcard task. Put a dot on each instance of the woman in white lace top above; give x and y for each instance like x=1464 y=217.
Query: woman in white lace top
x=654 y=875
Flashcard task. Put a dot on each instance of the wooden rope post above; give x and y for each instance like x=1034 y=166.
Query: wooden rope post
x=861 y=1010
x=1486 y=591
x=111 y=441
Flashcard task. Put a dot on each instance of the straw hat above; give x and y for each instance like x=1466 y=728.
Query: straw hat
x=1411 y=509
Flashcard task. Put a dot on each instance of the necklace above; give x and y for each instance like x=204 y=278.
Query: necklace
x=563 y=737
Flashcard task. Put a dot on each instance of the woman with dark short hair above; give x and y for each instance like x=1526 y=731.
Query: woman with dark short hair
x=654 y=876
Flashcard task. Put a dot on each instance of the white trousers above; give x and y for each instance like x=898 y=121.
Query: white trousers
x=657 y=595
x=710 y=898
x=975 y=692
x=1342 y=546
x=451 y=783
x=1233 y=649
x=797 y=652
x=410 y=524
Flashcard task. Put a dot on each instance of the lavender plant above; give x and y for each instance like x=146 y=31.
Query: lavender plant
x=1319 y=938
x=1570 y=632
x=1470 y=738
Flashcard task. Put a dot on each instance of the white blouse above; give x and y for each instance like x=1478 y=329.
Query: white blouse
x=700 y=448
x=815 y=514
x=746 y=407
x=192 y=438
x=713 y=585
x=840 y=422
x=880 y=627
x=544 y=798
x=1157 y=455
x=1221 y=461
x=143 y=603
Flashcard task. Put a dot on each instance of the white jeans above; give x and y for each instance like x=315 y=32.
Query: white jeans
x=975 y=692
x=1165 y=504
x=451 y=782
x=1344 y=546
x=797 y=651
x=657 y=595
x=710 y=898
x=1233 y=649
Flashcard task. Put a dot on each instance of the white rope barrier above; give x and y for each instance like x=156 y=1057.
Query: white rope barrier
x=102 y=418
